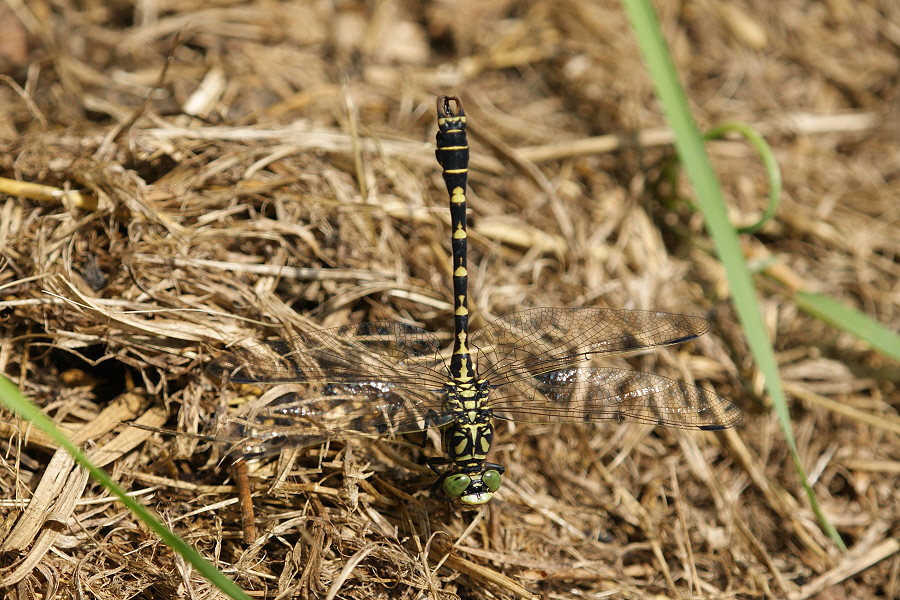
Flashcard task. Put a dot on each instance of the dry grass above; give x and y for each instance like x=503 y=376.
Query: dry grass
x=278 y=175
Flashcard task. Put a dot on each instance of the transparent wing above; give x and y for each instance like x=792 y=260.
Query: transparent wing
x=539 y=340
x=363 y=379
x=336 y=411
x=587 y=395
x=368 y=353
x=309 y=416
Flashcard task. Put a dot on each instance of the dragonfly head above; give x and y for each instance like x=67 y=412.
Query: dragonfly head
x=472 y=489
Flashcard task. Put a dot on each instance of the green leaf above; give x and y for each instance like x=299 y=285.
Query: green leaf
x=849 y=319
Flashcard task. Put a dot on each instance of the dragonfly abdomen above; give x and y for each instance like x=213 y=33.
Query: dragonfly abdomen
x=453 y=155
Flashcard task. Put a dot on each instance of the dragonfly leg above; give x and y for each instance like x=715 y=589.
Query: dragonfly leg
x=436 y=462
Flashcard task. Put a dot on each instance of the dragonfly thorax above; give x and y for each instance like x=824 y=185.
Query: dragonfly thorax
x=468 y=480
x=468 y=436
x=468 y=401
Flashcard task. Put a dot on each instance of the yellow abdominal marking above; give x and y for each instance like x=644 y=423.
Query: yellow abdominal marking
x=452 y=119
x=459 y=195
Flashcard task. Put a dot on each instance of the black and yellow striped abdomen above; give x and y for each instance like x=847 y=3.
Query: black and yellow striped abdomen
x=453 y=155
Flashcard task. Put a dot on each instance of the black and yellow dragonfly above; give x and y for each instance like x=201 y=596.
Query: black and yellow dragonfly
x=530 y=366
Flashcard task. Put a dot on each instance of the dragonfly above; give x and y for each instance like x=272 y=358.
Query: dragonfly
x=531 y=366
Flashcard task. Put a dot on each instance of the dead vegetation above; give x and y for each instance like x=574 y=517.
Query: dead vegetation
x=228 y=171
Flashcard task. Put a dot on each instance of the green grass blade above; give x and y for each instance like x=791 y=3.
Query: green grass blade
x=773 y=171
x=12 y=398
x=844 y=317
x=689 y=145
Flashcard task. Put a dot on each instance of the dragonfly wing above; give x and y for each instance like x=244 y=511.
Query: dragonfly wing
x=297 y=416
x=540 y=340
x=588 y=395
x=387 y=351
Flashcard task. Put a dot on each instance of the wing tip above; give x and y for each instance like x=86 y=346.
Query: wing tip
x=731 y=415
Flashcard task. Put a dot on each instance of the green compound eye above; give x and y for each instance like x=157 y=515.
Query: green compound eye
x=455 y=485
x=491 y=479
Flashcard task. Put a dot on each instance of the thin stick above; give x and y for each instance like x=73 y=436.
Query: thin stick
x=248 y=517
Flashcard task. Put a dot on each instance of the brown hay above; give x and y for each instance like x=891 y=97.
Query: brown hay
x=272 y=171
